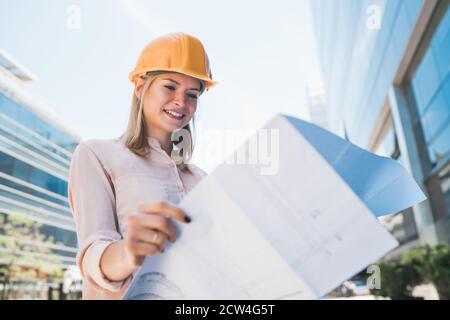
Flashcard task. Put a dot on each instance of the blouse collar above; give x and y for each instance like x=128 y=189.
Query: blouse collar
x=153 y=142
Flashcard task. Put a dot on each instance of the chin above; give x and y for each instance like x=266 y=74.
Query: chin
x=172 y=129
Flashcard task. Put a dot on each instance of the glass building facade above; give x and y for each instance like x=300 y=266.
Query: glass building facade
x=431 y=88
x=385 y=66
x=35 y=153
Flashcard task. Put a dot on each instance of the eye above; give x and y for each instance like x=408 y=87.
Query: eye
x=171 y=88
x=192 y=96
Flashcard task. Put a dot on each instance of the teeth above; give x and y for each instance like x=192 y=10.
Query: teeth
x=175 y=114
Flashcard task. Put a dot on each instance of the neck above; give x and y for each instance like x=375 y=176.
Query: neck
x=164 y=140
x=167 y=146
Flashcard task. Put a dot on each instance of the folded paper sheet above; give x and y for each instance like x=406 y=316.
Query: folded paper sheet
x=296 y=233
x=383 y=184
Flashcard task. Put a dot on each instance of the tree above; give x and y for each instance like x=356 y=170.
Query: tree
x=424 y=264
x=25 y=253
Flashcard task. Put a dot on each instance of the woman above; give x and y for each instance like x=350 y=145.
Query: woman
x=123 y=192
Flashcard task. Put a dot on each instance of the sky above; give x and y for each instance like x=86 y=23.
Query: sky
x=262 y=53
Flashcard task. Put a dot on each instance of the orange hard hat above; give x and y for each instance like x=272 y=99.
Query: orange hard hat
x=175 y=52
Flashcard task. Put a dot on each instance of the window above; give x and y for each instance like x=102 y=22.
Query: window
x=431 y=87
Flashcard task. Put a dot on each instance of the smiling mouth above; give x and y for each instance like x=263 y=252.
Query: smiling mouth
x=174 y=114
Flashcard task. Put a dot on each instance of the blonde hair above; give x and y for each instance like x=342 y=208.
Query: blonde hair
x=135 y=136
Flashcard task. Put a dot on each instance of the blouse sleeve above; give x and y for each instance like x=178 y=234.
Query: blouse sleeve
x=92 y=203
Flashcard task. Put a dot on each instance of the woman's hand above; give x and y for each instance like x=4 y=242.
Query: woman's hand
x=149 y=230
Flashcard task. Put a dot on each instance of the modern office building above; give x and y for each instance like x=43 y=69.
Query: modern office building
x=35 y=153
x=386 y=69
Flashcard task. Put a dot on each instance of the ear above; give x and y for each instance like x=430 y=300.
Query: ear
x=138 y=86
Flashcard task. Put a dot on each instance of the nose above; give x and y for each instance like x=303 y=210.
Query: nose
x=179 y=99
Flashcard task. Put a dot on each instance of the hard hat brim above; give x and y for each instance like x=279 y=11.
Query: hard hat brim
x=208 y=82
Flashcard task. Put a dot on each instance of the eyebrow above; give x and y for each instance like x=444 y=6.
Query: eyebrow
x=179 y=84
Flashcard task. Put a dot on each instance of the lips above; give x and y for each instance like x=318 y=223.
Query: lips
x=174 y=114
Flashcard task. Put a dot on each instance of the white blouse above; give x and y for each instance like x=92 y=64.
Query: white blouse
x=106 y=177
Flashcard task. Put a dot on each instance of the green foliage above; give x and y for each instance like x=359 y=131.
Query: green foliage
x=25 y=250
x=433 y=264
x=423 y=264
x=397 y=280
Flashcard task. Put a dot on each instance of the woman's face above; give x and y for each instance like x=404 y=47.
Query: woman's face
x=170 y=102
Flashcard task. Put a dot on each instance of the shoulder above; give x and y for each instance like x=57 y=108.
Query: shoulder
x=100 y=150
x=102 y=146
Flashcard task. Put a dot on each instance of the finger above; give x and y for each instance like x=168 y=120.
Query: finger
x=138 y=260
x=149 y=236
x=139 y=248
x=154 y=222
x=165 y=208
